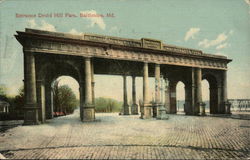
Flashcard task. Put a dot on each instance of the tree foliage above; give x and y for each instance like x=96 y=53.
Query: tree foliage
x=16 y=105
x=107 y=105
x=18 y=101
x=64 y=99
x=3 y=95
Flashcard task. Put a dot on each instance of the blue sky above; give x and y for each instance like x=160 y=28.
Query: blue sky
x=214 y=26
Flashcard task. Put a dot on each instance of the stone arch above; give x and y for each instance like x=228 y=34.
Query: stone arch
x=47 y=72
x=172 y=94
x=59 y=67
x=213 y=92
x=58 y=79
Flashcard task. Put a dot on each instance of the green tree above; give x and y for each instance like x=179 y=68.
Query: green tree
x=107 y=105
x=64 y=99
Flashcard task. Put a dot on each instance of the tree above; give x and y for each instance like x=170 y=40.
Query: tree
x=19 y=99
x=107 y=105
x=64 y=99
x=3 y=95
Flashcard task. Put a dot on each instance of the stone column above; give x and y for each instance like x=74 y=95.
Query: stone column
x=88 y=109
x=41 y=100
x=82 y=97
x=30 y=109
x=92 y=82
x=167 y=96
x=214 y=93
x=198 y=96
x=146 y=105
x=192 y=90
x=188 y=108
x=224 y=92
x=172 y=90
x=49 y=101
x=134 y=107
x=125 y=96
x=157 y=83
x=157 y=89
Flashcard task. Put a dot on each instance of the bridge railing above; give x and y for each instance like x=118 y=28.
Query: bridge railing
x=242 y=105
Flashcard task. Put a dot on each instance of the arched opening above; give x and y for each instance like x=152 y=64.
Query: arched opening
x=213 y=92
x=206 y=95
x=50 y=71
x=180 y=97
x=66 y=96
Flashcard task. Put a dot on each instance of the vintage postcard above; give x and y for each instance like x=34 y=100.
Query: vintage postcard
x=123 y=79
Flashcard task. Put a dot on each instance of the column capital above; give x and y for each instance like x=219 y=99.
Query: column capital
x=157 y=64
x=25 y=51
x=196 y=67
x=133 y=76
x=87 y=58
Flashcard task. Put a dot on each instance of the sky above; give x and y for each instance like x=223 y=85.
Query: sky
x=220 y=27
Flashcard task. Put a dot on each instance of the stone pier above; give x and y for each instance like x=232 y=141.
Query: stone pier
x=147 y=107
x=134 y=107
x=88 y=108
x=125 y=96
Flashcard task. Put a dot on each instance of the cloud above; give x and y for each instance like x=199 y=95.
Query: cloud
x=224 y=45
x=209 y=43
x=191 y=33
x=32 y=23
x=74 y=31
x=95 y=19
x=46 y=26
x=43 y=25
x=248 y=2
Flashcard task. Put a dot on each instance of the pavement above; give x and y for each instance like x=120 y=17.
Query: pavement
x=129 y=137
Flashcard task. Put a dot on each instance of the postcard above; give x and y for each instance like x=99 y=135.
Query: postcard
x=123 y=79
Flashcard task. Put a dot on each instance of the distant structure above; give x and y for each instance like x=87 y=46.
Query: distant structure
x=48 y=55
x=240 y=104
x=4 y=107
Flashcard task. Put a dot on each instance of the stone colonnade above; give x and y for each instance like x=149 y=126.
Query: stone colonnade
x=33 y=89
x=193 y=96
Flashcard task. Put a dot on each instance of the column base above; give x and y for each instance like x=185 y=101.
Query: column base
x=222 y=108
x=125 y=109
x=161 y=115
x=134 y=109
x=147 y=111
x=88 y=113
x=196 y=110
x=203 y=109
x=227 y=107
x=31 y=115
x=154 y=108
